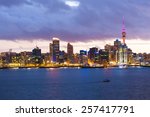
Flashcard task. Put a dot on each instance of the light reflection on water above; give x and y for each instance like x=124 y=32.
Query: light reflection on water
x=74 y=83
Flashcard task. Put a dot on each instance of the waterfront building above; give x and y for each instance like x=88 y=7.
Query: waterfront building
x=15 y=58
x=62 y=57
x=96 y=58
x=103 y=56
x=92 y=54
x=123 y=58
x=70 y=53
x=51 y=51
x=146 y=59
x=117 y=44
x=54 y=50
x=83 y=57
x=7 y=57
x=76 y=58
x=36 y=52
x=36 y=56
x=112 y=52
x=130 y=56
x=46 y=58
x=25 y=57
x=69 y=49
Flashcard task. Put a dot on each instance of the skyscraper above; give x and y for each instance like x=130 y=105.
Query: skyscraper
x=51 y=51
x=92 y=53
x=36 y=52
x=123 y=58
x=117 y=45
x=103 y=56
x=36 y=56
x=83 y=57
x=70 y=53
x=69 y=49
x=54 y=50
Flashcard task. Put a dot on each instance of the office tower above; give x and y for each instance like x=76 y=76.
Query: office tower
x=54 y=50
x=62 y=56
x=92 y=53
x=123 y=57
x=69 y=49
x=36 y=56
x=83 y=52
x=77 y=58
x=25 y=57
x=103 y=56
x=117 y=45
x=130 y=56
x=36 y=52
x=111 y=50
x=70 y=53
x=83 y=57
x=51 y=51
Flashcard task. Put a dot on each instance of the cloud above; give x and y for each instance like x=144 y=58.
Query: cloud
x=9 y=3
x=89 y=20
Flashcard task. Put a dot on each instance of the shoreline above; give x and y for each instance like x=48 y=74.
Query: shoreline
x=88 y=67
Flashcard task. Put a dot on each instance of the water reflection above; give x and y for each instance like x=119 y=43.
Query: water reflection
x=74 y=83
x=53 y=72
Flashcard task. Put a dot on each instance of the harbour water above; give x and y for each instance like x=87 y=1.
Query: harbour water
x=75 y=84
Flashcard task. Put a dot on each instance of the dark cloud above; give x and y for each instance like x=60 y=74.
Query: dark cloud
x=53 y=5
x=98 y=19
x=9 y=3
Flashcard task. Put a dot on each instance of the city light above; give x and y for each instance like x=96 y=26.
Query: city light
x=118 y=54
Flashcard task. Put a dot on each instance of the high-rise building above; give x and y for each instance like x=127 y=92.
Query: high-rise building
x=123 y=56
x=51 y=51
x=117 y=44
x=70 y=53
x=83 y=57
x=130 y=56
x=92 y=54
x=36 y=51
x=103 y=56
x=69 y=49
x=111 y=50
x=77 y=58
x=54 y=50
x=36 y=56
x=62 y=57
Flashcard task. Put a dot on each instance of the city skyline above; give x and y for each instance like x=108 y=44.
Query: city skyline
x=27 y=23
x=137 y=46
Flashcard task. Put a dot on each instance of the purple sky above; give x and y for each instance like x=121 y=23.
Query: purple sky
x=79 y=21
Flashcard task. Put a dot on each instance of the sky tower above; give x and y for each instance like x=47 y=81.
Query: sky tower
x=123 y=49
x=123 y=31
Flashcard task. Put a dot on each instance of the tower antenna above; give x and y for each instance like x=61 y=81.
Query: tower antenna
x=123 y=31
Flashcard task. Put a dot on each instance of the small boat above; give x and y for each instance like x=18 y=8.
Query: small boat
x=123 y=66
x=106 y=80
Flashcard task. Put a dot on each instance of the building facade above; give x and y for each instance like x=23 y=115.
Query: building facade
x=55 y=50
